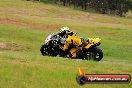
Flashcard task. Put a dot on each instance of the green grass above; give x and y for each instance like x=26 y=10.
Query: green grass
x=23 y=28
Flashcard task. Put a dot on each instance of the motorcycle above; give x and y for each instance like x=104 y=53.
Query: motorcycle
x=89 y=50
x=51 y=45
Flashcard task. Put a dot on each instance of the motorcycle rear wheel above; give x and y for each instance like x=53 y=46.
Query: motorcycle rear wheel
x=98 y=54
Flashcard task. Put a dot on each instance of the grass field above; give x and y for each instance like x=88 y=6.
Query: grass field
x=23 y=27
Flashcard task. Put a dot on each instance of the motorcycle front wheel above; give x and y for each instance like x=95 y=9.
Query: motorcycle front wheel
x=44 y=50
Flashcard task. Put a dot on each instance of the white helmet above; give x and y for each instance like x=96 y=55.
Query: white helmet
x=64 y=29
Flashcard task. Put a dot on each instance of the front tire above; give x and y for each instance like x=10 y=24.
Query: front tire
x=44 y=50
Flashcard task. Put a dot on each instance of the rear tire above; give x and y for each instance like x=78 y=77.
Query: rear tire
x=98 y=54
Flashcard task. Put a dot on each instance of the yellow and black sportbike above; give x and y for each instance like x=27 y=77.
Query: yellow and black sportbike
x=88 y=50
x=72 y=47
x=92 y=50
x=83 y=48
x=51 y=46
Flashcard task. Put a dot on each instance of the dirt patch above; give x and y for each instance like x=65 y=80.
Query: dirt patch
x=12 y=47
x=31 y=24
x=2 y=45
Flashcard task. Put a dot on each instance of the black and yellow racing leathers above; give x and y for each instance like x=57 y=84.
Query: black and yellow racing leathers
x=75 y=42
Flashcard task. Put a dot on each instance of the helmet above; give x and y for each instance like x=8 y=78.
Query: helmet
x=64 y=29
